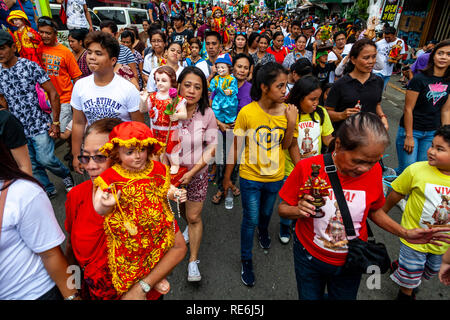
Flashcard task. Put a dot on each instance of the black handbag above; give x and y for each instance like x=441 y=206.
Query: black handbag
x=361 y=255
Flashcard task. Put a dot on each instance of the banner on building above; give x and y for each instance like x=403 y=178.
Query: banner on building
x=389 y=10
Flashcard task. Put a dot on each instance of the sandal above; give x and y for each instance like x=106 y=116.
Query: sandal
x=217 y=198
x=236 y=191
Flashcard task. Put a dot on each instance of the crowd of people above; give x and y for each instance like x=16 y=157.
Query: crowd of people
x=248 y=104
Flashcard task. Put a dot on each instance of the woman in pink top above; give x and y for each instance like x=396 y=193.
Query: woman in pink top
x=198 y=135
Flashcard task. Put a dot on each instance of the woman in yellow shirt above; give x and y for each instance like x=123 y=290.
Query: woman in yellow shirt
x=265 y=127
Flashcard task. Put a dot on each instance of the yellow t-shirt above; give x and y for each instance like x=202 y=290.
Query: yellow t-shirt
x=310 y=135
x=263 y=158
x=428 y=202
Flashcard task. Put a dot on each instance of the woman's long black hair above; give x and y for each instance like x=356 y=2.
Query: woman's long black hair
x=265 y=74
x=355 y=51
x=203 y=103
x=301 y=89
x=429 y=69
x=9 y=170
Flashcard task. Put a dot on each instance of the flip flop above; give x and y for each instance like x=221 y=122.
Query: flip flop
x=216 y=199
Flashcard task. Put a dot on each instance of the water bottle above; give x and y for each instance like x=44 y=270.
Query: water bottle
x=229 y=200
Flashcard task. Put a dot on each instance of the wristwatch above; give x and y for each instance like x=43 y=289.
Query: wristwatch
x=56 y=123
x=145 y=286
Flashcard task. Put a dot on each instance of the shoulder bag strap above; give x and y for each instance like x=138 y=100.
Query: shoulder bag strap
x=3 y=201
x=331 y=170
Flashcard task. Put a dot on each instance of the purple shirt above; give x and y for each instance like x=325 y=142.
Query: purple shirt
x=420 y=63
x=244 y=95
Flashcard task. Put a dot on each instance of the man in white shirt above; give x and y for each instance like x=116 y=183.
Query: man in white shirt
x=103 y=94
x=284 y=25
x=384 y=46
x=78 y=16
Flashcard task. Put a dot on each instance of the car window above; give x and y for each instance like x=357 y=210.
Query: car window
x=118 y=16
x=136 y=17
x=95 y=19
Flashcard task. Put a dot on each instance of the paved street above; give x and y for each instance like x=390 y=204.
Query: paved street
x=274 y=272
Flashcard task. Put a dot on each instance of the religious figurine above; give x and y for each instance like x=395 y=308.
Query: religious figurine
x=324 y=41
x=394 y=53
x=219 y=23
x=166 y=108
x=317 y=188
x=132 y=196
x=186 y=49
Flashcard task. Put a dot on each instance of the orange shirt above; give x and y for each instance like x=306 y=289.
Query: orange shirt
x=62 y=68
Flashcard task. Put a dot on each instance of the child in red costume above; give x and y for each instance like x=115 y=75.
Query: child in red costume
x=28 y=41
x=133 y=196
x=219 y=23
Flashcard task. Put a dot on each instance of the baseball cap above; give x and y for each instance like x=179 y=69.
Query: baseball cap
x=224 y=58
x=5 y=37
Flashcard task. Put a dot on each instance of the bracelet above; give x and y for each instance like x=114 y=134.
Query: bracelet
x=76 y=294
x=383 y=116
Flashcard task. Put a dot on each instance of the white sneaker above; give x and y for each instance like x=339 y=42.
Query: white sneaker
x=186 y=234
x=193 y=272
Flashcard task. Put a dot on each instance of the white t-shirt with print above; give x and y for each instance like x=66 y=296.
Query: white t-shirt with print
x=116 y=100
x=29 y=227
x=76 y=18
x=383 y=48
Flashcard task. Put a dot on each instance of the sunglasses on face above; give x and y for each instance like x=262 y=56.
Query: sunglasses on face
x=98 y=158
x=241 y=33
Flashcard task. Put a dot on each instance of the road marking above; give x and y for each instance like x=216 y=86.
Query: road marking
x=393 y=86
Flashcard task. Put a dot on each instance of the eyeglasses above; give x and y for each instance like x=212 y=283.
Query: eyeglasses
x=157 y=41
x=98 y=158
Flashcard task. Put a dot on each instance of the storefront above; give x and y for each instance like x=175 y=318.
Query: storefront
x=424 y=20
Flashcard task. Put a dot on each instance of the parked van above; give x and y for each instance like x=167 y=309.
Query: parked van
x=123 y=17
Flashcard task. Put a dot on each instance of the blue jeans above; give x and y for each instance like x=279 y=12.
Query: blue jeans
x=313 y=275
x=385 y=79
x=42 y=156
x=422 y=142
x=258 y=199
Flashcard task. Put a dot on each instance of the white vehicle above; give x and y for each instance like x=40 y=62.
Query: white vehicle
x=123 y=17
